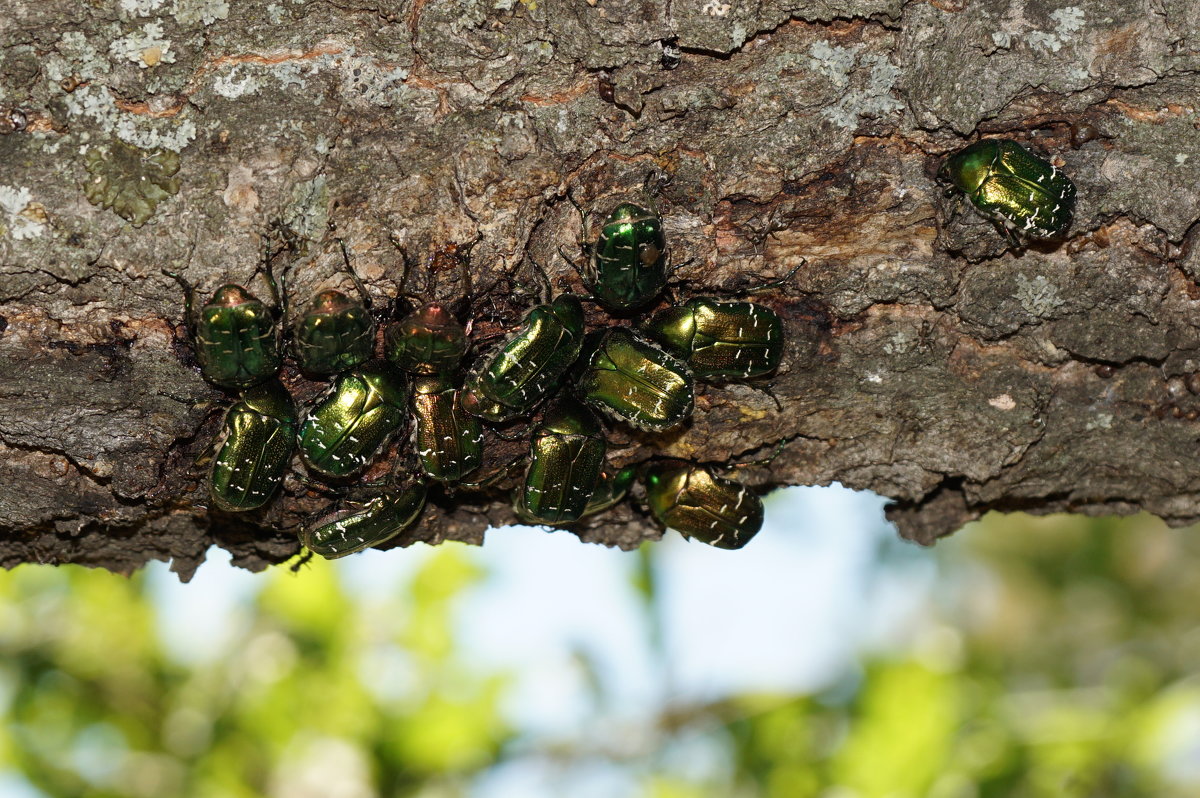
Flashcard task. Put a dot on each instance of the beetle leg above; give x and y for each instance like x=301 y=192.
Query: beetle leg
x=1009 y=236
x=563 y=254
x=487 y=481
x=318 y=487
x=655 y=180
x=775 y=283
x=546 y=281
x=207 y=454
x=678 y=266
x=779 y=446
x=462 y=199
x=769 y=392
x=189 y=296
x=513 y=436
x=405 y=259
x=583 y=216
x=279 y=301
x=955 y=207
x=358 y=283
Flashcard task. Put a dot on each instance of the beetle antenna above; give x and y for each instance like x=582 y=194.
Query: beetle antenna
x=349 y=269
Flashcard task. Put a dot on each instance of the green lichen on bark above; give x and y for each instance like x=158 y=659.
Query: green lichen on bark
x=130 y=181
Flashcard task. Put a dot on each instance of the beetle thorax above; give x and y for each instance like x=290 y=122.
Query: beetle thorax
x=228 y=296
x=970 y=168
x=330 y=302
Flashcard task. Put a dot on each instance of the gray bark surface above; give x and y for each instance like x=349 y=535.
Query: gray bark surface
x=926 y=360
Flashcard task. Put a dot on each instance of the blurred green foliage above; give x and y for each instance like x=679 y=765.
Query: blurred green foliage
x=1051 y=657
x=97 y=708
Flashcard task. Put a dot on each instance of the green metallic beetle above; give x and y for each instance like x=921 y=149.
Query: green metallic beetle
x=430 y=340
x=448 y=440
x=234 y=337
x=372 y=522
x=690 y=499
x=336 y=332
x=1019 y=192
x=720 y=340
x=353 y=420
x=627 y=266
x=566 y=456
x=611 y=489
x=511 y=380
x=253 y=449
x=634 y=381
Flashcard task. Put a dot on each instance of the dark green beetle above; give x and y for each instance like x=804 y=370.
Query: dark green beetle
x=372 y=522
x=690 y=499
x=336 y=332
x=626 y=268
x=234 y=336
x=720 y=340
x=253 y=449
x=430 y=340
x=611 y=489
x=1019 y=192
x=448 y=440
x=566 y=455
x=513 y=379
x=353 y=420
x=634 y=381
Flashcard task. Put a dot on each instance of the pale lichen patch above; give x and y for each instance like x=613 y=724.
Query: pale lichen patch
x=139 y=8
x=75 y=56
x=145 y=47
x=307 y=215
x=189 y=12
x=1038 y=295
x=1067 y=21
x=236 y=83
x=369 y=80
x=871 y=97
x=22 y=218
x=96 y=103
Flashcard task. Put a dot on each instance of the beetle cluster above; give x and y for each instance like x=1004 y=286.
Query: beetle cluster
x=549 y=368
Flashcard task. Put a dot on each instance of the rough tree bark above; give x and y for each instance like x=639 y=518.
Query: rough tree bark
x=926 y=361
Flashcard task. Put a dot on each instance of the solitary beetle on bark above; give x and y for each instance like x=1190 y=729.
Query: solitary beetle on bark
x=1023 y=195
